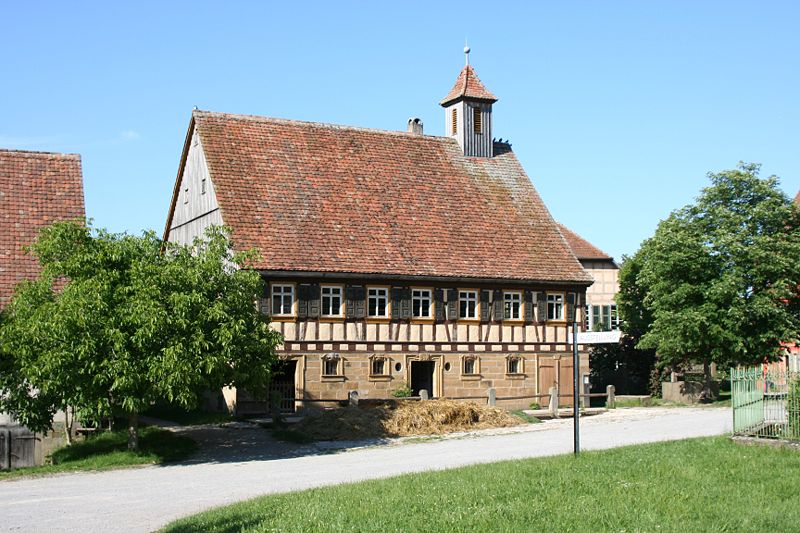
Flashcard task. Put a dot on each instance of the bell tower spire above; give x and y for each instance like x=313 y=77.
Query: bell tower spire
x=468 y=112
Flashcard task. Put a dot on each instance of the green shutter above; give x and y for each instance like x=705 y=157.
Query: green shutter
x=541 y=305
x=350 y=303
x=405 y=303
x=452 y=304
x=528 y=298
x=313 y=301
x=360 y=301
x=397 y=297
x=302 y=301
x=485 y=307
x=438 y=304
x=570 y=315
x=498 y=306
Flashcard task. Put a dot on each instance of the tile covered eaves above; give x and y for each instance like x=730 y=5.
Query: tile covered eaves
x=321 y=198
x=582 y=248
x=36 y=189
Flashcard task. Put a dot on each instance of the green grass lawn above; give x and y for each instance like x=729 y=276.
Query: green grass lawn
x=109 y=450
x=709 y=484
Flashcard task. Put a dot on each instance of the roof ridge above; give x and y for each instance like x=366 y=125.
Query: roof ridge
x=328 y=125
x=34 y=153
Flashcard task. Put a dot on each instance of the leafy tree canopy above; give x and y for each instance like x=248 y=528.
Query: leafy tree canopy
x=718 y=280
x=115 y=322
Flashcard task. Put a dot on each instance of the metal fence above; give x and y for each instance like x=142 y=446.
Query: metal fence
x=766 y=401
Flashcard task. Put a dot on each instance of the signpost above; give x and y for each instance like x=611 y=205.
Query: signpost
x=584 y=337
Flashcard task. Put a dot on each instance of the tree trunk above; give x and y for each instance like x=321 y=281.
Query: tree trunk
x=68 y=425
x=133 y=431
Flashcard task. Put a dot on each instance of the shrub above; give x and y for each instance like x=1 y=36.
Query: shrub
x=402 y=390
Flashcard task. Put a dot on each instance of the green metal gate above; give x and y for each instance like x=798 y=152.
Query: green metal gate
x=766 y=402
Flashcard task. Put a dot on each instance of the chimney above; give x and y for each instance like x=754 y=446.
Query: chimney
x=415 y=126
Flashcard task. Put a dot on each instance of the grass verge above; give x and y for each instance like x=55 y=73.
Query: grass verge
x=109 y=450
x=709 y=484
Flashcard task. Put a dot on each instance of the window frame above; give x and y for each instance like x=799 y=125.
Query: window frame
x=520 y=371
x=475 y=298
x=386 y=375
x=562 y=306
x=338 y=361
x=454 y=122
x=477 y=120
x=520 y=308
x=429 y=297
x=293 y=302
x=322 y=313
x=386 y=296
x=476 y=370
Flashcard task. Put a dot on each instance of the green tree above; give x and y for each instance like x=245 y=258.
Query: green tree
x=718 y=280
x=137 y=320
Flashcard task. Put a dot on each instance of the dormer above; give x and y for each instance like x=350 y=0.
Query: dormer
x=468 y=113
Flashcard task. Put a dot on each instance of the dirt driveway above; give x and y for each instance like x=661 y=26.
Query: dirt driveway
x=143 y=499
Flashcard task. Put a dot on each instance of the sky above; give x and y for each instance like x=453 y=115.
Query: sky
x=617 y=110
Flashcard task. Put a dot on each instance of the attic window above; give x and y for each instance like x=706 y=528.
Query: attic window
x=203 y=186
x=454 y=120
x=477 y=120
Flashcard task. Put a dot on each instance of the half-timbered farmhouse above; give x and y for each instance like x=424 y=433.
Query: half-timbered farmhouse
x=392 y=258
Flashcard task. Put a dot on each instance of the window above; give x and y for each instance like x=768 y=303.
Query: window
x=330 y=364
x=470 y=367
x=331 y=301
x=514 y=365
x=421 y=303
x=378 y=366
x=468 y=304
x=477 y=120
x=512 y=306
x=203 y=186
x=604 y=318
x=378 y=303
x=555 y=307
x=454 y=120
x=282 y=300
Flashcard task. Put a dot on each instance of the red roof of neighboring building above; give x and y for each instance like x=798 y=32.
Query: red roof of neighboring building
x=36 y=189
x=468 y=85
x=582 y=248
x=322 y=198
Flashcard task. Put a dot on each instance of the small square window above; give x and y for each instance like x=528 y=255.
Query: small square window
x=378 y=366
x=514 y=365
x=330 y=365
x=470 y=366
x=203 y=186
x=468 y=304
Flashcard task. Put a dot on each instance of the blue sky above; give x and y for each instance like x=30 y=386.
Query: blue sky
x=616 y=109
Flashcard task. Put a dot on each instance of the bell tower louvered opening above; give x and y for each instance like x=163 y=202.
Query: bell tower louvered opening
x=468 y=114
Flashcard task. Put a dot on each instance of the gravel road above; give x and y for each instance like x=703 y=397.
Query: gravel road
x=143 y=499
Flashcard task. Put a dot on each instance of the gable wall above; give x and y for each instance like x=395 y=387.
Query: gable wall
x=195 y=210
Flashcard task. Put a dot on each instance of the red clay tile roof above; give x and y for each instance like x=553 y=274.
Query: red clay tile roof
x=36 y=189
x=582 y=248
x=322 y=198
x=468 y=85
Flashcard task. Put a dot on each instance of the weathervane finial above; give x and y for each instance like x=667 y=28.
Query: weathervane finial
x=466 y=51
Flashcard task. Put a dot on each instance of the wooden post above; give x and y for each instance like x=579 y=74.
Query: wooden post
x=610 y=399
x=492 y=397
x=6 y=458
x=423 y=394
x=352 y=398
x=554 y=402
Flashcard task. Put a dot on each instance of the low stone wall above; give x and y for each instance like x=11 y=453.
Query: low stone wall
x=686 y=392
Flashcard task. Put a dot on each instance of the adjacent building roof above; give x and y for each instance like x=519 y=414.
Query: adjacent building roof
x=582 y=248
x=36 y=189
x=468 y=85
x=322 y=198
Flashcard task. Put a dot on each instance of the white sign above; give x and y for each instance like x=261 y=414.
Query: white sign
x=598 y=337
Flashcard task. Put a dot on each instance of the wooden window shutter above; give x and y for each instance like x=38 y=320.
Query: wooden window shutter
x=498 y=305
x=541 y=307
x=528 y=298
x=438 y=304
x=452 y=304
x=313 y=301
x=485 y=307
x=570 y=307
x=397 y=297
x=361 y=304
x=454 y=120
x=302 y=301
x=477 y=120
x=350 y=301
x=405 y=304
